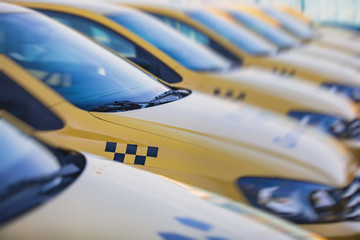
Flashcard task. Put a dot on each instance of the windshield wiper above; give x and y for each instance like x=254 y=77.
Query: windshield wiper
x=129 y=105
x=348 y=130
x=119 y=106
x=66 y=170
x=178 y=93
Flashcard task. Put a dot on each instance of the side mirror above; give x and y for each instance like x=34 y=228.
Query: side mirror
x=141 y=62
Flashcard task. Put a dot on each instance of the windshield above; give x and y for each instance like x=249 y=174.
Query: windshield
x=189 y=54
x=22 y=158
x=274 y=35
x=81 y=71
x=241 y=37
x=290 y=24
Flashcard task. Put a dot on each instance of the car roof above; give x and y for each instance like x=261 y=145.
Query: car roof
x=102 y=8
x=168 y=6
x=10 y=8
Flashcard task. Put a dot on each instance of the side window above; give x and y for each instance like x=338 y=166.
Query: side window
x=97 y=32
x=2 y=40
x=190 y=32
x=22 y=105
x=118 y=43
x=197 y=36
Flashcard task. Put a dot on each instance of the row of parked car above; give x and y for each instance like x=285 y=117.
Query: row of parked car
x=225 y=107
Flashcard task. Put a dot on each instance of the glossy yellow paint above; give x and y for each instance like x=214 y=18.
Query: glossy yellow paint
x=104 y=189
x=318 y=49
x=289 y=64
x=270 y=91
x=183 y=139
x=203 y=159
x=293 y=12
x=338 y=39
x=250 y=9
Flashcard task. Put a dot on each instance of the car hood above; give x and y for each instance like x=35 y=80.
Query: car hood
x=305 y=94
x=350 y=45
x=327 y=53
x=326 y=69
x=243 y=130
x=111 y=201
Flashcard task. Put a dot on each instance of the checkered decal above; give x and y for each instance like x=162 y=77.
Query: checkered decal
x=130 y=150
x=229 y=94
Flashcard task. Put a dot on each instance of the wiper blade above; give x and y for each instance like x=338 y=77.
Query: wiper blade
x=129 y=105
x=119 y=106
x=178 y=93
x=66 y=170
x=347 y=130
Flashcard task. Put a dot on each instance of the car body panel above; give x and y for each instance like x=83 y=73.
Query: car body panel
x=324 y=71
x=204 y=157
x=340 y=43
x=320 y=47
x=103 y=199
x=188 y=140
x=277 y=90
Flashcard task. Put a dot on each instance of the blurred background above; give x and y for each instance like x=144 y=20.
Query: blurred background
x=319 y=11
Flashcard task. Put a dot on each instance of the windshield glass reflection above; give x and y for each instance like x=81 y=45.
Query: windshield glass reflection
x=240 y=36
x=189 y=54
x=290 y=24
x=274 y=35
x=22 y=158
x=80 y=70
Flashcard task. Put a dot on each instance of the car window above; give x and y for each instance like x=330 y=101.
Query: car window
x=30 y=172
x=28 y=161
x=118 y=43
x=191 y=32
x=240 y=36
x=291 y=24
x=188 y=53
x=77 y=68
x=199 y=37
x=22 y=105
x=2 y=40
x=274 y=35
x=97 y=32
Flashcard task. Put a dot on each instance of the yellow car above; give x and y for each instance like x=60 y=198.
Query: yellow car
x=227 y=38
x=283 y=40
x=190 y=66
x=74 y=94
x=320 y=29
x=305 y=33
x=48 y=192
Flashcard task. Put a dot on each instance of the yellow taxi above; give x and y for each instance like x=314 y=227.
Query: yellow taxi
x=231 y=41
x=182 y=63
x=304 y=32
x=48 y=191
x=72 y=93
x=251 y=17
x=318 y=27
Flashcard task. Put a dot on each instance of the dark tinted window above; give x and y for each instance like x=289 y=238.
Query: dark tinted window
x=80 y=70
x=274 y=35
x=291 y=24
x=241 y=37
x=197 y=36
x=21 y=104
x=189 y=54
x=118 y=43
x=31 y=173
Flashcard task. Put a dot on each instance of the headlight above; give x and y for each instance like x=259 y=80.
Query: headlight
x=330 y=124
x=302 y=202
x=326 y=123
x=351 y=92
